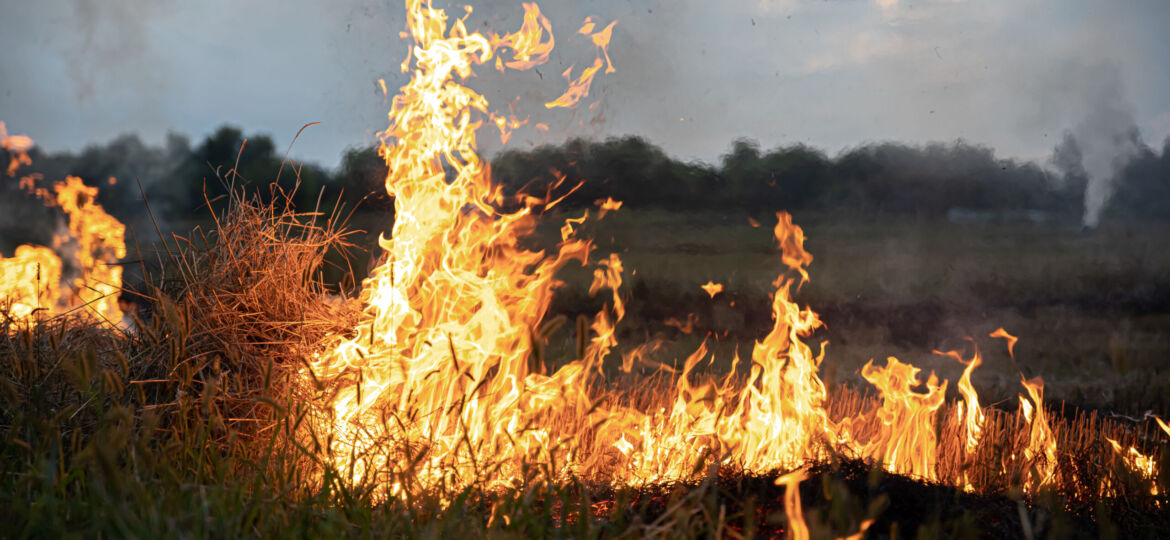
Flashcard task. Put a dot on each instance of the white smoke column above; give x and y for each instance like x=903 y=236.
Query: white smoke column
x=1107 y=138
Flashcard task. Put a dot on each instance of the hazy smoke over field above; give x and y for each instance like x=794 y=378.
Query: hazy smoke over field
x=1106 y=139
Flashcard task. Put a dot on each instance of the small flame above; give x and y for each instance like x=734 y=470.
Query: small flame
x=17 y=147
x=607 y=205
x=712 y=288
x=529 y=49
x=1144 y=466
x=907 y=442
x=579 y=87
x=1041 y=449
x=1010 y=339
x=1162 y=424
x=797 y=527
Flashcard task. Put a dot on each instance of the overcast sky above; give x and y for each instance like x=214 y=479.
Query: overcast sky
x=692 y=75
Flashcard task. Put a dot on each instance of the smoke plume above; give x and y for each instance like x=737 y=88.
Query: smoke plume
x=1107 y=138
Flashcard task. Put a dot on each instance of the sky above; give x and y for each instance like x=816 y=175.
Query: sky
x=692 y=75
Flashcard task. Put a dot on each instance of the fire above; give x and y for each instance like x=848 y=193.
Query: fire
x=1143 y=465
x=100 y=243
x=607 y=205
x=1010 y=339
x=712 y=288
x=31 y=283
x=797 y=527
x=906 y=443
x=17 y=147
x=445 y=385
x=1040 y=453
x=442 y=361
x=579 y=87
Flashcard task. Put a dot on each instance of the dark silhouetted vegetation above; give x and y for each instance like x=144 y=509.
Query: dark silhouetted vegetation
x=875 y=179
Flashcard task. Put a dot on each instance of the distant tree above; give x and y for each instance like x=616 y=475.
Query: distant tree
x=1142 y=191
x=361 y=177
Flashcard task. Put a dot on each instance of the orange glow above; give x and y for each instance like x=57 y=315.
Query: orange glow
x=578 y=88
x=686 y=326
x=969 y=411
x=973 y=417
x=712 y=288
x=447 y=340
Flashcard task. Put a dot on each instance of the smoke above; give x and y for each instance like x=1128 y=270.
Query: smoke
x=1105 y=139
x=109 y=45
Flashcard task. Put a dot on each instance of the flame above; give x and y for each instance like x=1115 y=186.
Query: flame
x=1141 y=464
x=686 y=326
x=712 y=288
x=443 y=362
x=907 y=443
x=579 y=87
x=607 y=205
x=1011 y=340
x=1162 y=424
x=450 y=315
x=444 y=382
x=100 y=240
x=1040 y=453
x=969 y=410
x=17 y=147
x=528 y=44
x=31 y=283
x=797 y=528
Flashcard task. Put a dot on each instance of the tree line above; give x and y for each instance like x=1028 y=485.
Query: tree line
x=179 y=178
x=882 y=178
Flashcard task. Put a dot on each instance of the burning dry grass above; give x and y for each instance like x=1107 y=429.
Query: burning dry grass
x=199 y=404
x=428 y=411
